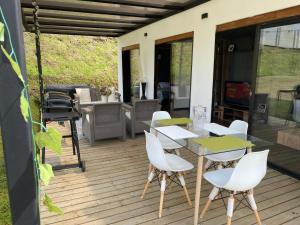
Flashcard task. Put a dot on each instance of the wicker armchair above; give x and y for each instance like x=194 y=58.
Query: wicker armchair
x=103 y=121
x=139 y=111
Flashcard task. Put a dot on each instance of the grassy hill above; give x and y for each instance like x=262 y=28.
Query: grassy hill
x=73 y=60
x=66 y=60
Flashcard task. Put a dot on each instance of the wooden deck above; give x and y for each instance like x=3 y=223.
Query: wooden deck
x=109 y=191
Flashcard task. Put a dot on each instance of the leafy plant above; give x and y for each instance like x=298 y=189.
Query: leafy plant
x=51 y=139
x=51 y=206
x=105 y=91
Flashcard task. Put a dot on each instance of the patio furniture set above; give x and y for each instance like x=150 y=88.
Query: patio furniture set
x=221 y=146
x=224 y=148
x=112 y=118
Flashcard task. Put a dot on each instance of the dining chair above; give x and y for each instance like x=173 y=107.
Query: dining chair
x=166 y=142
x=161 y=164
x=247 y=174
x=223 y=158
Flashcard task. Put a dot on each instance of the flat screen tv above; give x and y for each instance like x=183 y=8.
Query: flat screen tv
x=237 y=93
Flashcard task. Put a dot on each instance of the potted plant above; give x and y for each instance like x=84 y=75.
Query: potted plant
x=105 y=92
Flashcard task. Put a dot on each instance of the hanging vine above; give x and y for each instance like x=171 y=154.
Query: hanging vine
x=48 y=138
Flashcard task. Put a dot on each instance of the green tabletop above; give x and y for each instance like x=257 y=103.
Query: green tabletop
x=175 y=121
x=224 y=143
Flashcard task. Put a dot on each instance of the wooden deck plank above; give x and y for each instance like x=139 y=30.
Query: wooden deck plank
x=109 y=191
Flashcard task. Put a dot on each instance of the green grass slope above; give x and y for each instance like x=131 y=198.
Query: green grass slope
x=73 y=60
x=5 y=218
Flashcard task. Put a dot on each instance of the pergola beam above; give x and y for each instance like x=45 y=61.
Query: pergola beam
x=126 y=15
x=78 y=32
x=54 y=27
x=55 y=22
x=149 y=4
x=88 y=8
x=83 y=17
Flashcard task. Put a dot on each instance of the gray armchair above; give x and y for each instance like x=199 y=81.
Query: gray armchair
x=103 y=121
x=139 y=111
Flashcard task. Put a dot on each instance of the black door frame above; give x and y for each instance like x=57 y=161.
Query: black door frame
x=126 y=71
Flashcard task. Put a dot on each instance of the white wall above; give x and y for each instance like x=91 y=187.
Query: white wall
x=219 y=11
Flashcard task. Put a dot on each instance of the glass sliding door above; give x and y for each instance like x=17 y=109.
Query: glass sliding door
x=181 y=65
x=135 y=73
x=132 y=74
x=276 y=110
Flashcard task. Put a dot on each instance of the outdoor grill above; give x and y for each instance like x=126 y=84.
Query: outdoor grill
x=59 y=106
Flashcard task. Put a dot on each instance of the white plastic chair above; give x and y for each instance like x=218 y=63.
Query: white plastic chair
x=222 y=158
x=248 y=173
x=162 y=163
x=166 y=142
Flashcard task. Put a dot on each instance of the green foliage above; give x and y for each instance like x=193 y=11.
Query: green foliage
x=181 y=62
x=51 y=206
x=72 y=60
x=280 y=109
x=275 y=61
x=2 y=30
x=14 y=65
x=5 y=216
x=24 y=105
x=35 y=113
x=50 y=139
x=46 y=173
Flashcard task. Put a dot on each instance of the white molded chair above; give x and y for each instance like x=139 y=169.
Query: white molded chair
x=162 y=163
x=166 y=142
x=222 y=158
x=248 y=173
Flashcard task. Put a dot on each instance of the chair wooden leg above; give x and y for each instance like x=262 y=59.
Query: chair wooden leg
x=207 y=164
x=228 y=220
x=257 y=217
x=254 y=206
x=182 y=181
x=162 y=194
x=205 y=208
x=211 y=197
x=230 y=207
x=150 y=177
x=187 y=196
x=150 y=168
